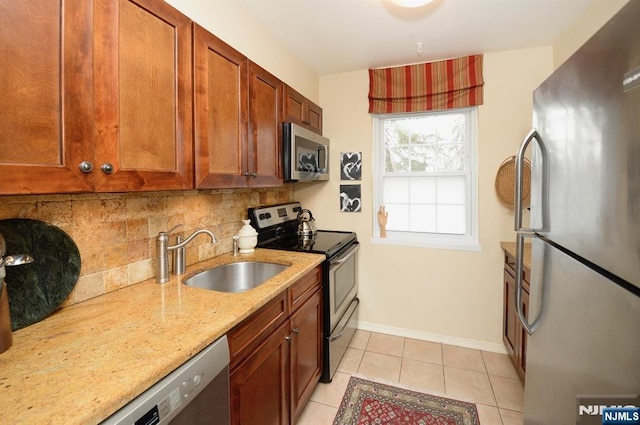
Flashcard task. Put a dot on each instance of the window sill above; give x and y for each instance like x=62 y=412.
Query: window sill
x=455 y=246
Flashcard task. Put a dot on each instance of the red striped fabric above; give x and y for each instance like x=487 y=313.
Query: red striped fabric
x=448 y=84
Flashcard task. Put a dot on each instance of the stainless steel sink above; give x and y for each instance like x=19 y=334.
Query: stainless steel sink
x=235 y=277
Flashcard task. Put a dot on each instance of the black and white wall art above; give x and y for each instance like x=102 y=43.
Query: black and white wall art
x=350 y=198
x=351 y=166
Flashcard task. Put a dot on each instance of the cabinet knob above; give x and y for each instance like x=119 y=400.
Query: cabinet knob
x=288 y=337
x=296 y=331
x=247 y=174
x=254 y=174
x=86 y=166
x=107 y=168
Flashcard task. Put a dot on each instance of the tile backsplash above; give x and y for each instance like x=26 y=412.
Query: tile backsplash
x=115 y=232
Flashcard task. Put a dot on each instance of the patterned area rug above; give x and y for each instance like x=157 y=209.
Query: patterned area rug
x=368 y=403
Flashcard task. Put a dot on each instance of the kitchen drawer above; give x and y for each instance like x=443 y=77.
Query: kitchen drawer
x=304 y=288
x=510 y=267
x=248 y=334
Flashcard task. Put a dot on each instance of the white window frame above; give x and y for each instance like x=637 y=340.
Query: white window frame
x=466 y=242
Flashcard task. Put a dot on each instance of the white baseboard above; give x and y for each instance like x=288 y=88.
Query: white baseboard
x=426 y=336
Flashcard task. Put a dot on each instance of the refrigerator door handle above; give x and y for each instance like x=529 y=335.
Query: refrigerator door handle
x=532 y=135
x=529 y=327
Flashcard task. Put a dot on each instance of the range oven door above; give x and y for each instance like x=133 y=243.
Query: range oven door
x=343 y=283
x=341 y=308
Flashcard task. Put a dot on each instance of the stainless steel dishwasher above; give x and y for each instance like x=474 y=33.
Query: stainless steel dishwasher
x=195 y=393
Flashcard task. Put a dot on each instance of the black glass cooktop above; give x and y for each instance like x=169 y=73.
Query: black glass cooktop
x=324 y=242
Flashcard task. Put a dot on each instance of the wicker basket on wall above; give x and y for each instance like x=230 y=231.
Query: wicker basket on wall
x=506 y=182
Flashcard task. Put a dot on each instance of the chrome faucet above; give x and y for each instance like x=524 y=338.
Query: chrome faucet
x=179 y=256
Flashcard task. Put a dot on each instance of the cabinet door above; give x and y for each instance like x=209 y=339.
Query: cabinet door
x=265 y=127
x=511 y=325
x=514 y=335
x=46 y=124
x=306 y=352
x=259 y=385
x=294 y=106
x=142 y=85
x=314 y=117
x=300 y=110
x=220 y=113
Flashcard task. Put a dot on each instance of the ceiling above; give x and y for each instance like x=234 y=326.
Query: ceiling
x=336 y=36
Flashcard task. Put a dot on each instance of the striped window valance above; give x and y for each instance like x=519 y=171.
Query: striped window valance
x=448 y=84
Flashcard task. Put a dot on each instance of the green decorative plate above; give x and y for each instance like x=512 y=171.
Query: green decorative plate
x=37 y=289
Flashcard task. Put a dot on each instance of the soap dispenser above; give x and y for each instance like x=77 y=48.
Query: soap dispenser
x=247 y=238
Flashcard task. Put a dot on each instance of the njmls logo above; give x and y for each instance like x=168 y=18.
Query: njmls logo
x=598 y=410
x=608 y=409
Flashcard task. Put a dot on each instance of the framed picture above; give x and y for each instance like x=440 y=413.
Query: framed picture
x=350 y=198
x=351 y=166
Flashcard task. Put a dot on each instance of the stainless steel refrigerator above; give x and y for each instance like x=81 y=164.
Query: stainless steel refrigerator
x=584 y=305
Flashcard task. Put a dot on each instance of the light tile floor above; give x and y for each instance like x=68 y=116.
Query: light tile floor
x=481 y=377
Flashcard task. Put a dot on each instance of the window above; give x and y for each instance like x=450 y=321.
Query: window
x=425 y=176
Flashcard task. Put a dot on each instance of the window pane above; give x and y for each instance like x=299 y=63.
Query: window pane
x=423 y=218
x=395 y=190
x=396 y=132
x=398 y=217
x=451 y=190
x=451 y=128
x=451 y=219
x=451 y=157
x=422 y=190
x=423 y=158
x=397 y=159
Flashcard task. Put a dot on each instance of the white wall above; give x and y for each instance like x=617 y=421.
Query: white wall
x=229 y=21
x=426 y=293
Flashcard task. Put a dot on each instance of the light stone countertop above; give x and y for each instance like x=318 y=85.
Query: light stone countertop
x=510 y=247
x=86 y=361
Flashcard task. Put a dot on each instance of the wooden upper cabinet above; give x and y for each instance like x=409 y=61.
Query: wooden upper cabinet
x=238 y=116
x=46 y=124
x=300 y=110
x=143 y=104
x=265 y=127
x=221 y=113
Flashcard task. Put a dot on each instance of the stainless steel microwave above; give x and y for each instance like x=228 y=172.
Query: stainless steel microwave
x=306 y=154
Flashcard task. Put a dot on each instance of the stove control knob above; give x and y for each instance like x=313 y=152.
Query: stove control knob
x=268 y=215
x=262 y=216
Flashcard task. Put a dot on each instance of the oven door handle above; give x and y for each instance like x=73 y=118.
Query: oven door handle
x=347 y=314
x=344 y=258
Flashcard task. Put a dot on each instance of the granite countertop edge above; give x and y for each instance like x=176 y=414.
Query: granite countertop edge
x=510 y=248
x=86 y=361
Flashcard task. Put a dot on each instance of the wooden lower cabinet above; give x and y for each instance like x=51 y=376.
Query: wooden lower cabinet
x=274 y=372
x=306 y=353
x=259 y=385
x=513 y=334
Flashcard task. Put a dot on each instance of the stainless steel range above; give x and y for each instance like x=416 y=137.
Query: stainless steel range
x=278 y=228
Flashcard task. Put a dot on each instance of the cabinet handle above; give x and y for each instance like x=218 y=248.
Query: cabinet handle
x=296 y=331
x=86 y=167
x=107 y=168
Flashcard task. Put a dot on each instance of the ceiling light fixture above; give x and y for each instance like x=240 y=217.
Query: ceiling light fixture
x=410 y=3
